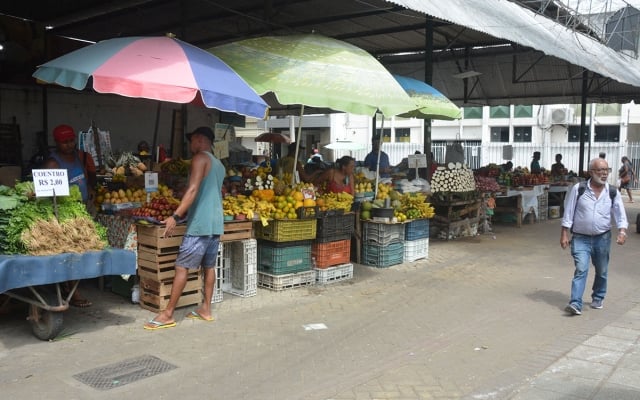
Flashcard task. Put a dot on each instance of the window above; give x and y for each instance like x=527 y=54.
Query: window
x=607 y=133
x=522 y=111
x=386 y=137
x=522 y=134
x=500 y=134
x=472 y=112
x=403 y=135
x=499 y=112
x=574 y=133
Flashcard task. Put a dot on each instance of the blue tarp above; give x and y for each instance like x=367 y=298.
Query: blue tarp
x=17 y=271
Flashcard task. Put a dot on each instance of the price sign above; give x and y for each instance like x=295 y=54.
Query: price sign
x=50 y=182
x=151 y=182
x=308 y=193
x=417 y=160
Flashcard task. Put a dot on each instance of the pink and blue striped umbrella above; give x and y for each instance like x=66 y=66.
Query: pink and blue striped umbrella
x=159 y=68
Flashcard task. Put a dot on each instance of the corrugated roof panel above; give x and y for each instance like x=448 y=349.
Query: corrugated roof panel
x=507 y=20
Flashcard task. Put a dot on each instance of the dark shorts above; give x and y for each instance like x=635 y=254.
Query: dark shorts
x=625 y=185
x=197 y=251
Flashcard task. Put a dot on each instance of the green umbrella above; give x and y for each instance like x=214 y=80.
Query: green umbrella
x=316 y=71
x=429 y=102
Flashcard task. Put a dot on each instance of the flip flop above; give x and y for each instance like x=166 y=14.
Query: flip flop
x=195 y=315
x=153 y=325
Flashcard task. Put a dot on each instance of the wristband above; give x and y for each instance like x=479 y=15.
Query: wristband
x=176 y=217
x=622 y=233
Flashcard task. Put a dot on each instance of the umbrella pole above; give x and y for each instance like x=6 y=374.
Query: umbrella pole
x=294 y=177
x=155 y=134
x=379 y=152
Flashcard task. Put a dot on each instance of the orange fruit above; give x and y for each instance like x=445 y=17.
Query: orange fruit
x=298 y=195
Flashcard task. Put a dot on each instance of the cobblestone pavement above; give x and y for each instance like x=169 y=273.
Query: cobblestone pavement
x=481 y=318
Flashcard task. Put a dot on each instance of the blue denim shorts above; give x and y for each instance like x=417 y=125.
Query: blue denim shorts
x=198 y=251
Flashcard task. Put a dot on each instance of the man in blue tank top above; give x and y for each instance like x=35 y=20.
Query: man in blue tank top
x=81 y=171
x=202 y=204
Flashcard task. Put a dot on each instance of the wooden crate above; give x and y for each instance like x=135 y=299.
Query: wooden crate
x=158 y=267
x=151 y=236
x=155 y=295
x=237 y=230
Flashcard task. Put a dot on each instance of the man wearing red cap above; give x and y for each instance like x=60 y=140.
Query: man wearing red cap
x=81 y=171
x=80 y=167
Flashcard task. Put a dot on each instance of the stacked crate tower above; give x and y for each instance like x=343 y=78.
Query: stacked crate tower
x=416 y=240
x=331 y=250
x=382 y=243
x=284 y=253
x=156 y=269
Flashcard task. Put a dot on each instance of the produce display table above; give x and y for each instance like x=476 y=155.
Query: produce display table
x=509 y=206
x=35 y=280
x=520 y=203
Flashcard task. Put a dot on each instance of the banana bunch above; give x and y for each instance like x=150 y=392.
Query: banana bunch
x=235 y=205
x=176 y=167
x=415 y=205
x=265 y=208
x=338 y=201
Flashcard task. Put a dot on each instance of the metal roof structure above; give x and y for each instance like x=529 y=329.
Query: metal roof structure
x=478 y=52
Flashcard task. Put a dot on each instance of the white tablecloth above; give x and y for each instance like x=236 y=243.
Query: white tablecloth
x=529 y=198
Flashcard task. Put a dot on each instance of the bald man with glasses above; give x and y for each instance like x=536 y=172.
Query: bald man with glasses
x=587 y=217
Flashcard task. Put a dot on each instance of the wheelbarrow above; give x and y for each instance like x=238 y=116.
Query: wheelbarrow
x=46 y=304
x=36 y=281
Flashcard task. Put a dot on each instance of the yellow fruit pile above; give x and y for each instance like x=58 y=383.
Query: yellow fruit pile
x=237 y=205
x=119 y=196
x=364 y=186
x=337 y=201
x=414 y=206
x=383 y=191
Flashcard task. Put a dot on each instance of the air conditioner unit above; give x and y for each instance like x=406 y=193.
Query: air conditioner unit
x=561 y=116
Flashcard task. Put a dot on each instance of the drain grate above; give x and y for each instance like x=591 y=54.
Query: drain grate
x=124 y=372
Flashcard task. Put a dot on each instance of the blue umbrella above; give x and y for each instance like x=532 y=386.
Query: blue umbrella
x=430 y=103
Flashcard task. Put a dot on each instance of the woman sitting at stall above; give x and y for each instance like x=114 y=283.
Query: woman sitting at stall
x=340 y=178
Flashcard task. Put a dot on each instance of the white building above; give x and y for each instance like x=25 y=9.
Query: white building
x=484 y=131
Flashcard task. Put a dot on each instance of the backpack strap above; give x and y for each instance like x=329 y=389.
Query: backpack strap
x=582 y=186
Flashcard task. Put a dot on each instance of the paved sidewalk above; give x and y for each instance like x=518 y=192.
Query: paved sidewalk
x=481 y=318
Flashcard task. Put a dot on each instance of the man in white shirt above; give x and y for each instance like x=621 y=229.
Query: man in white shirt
x=588 y=210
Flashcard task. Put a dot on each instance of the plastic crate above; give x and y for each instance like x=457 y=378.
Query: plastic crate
x=283 y=260
x=334 y=274
x=416 y=249
x=383 y=256
x=331 y=253
x=381 y=233
x=335 y=227
x=217 y=296
x=286 y=230
x=416 y=229
x=288 y=281
x=240 y=272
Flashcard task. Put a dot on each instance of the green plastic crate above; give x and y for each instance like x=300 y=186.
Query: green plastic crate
x=278 y=260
